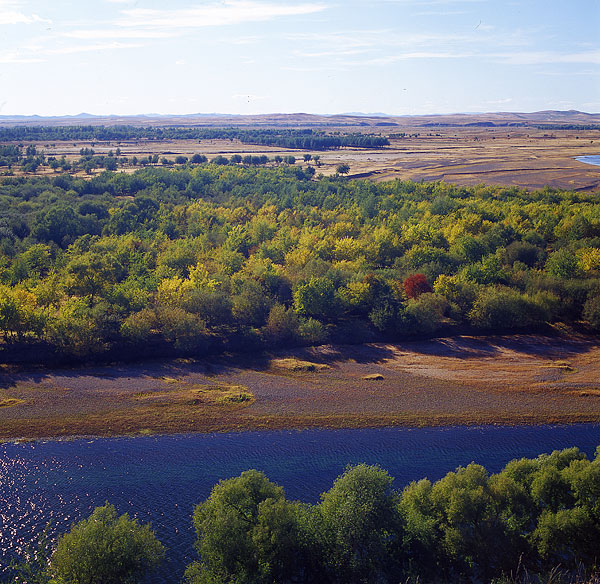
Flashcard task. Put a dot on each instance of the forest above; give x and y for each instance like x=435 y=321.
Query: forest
x=283 y=138
x=210 y=257
x=535 y=518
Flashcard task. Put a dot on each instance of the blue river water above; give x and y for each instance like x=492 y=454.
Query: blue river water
x=592 y=159
x=160 y=479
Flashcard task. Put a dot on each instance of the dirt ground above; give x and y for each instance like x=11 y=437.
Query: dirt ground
x=521 y=379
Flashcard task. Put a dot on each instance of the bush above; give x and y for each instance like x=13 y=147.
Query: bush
x=591 y=311
x=503 y=308
x=416 y=285
x=282 y=324
x=106 y=549
x=312 y=332
x=426 y=313
x=563 y=264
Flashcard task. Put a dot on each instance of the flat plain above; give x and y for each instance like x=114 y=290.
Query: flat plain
x=513 y=150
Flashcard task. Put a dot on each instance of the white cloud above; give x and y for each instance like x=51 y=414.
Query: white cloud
x=499 y=101
x=440 y=13
x=95 y=47
x=415 y=55
x=316 y=68
x=249 y=98
x=547 y=57
x=419 y=3
x=16 y=17
x=248 y=40
x=11 y=12
x=13 y=57
x=341 y=52
x=111 y=33
x=224 y=13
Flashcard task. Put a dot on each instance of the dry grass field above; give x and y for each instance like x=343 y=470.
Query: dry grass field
x=523 y=379
x=497 y=156
x=455 y=151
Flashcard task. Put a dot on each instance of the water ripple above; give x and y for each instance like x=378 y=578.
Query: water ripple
x=160 y=479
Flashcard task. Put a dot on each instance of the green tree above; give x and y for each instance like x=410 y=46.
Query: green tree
x=504 y=308
x=19 y=313
x=106 y=549
x=360 y=531
x=246 y=533
x=90 y=273
x=282 y=324
x=316 y=298
x=426 y=313
x=563 y=264
x=591 y=311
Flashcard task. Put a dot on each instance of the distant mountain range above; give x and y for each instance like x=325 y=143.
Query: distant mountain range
x=550 y=117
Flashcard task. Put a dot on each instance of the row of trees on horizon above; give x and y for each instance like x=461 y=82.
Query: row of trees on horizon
x=306 y=139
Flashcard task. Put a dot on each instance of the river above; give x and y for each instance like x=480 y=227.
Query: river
x=160 y=479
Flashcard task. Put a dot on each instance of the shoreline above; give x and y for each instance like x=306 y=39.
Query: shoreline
x=290 y=428
x=467 y=380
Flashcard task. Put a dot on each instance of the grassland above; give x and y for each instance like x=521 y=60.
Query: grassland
x=466 y=157
x=522 y=379
x=455 y=151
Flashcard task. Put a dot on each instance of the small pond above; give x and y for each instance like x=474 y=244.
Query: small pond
x=592 y=159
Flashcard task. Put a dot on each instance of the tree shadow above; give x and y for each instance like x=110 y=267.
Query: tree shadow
x=460 y=347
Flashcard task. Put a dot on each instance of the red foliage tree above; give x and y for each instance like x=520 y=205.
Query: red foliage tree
x=416 y=285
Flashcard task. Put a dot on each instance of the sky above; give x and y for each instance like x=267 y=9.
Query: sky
x=400 y=57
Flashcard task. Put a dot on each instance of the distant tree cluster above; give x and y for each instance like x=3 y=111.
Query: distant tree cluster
x=565 y=126
x=227 y=255
x=306 y=139
x=537 y=517
x=9 y=155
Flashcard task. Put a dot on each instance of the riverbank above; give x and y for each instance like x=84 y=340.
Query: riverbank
x=520 y=379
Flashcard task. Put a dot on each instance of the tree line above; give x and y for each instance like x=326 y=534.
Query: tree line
x=212 y=257
x=282 y=138
x=89 y=161
x=470 y=526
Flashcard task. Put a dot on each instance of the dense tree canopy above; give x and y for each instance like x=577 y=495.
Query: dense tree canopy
x=204 y=257
x=105 y=549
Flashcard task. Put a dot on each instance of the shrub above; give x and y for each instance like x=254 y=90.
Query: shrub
x=106 y=549
x=416 y=285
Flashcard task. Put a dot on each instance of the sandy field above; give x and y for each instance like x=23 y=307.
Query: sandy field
x=522 y=379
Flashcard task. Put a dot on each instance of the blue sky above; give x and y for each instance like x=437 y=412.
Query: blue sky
x=319 y=56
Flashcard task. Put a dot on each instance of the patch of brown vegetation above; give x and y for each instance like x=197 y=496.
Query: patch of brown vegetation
x=9 y=402
x=194 y=394
x=293 y=364
x=522 y=379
